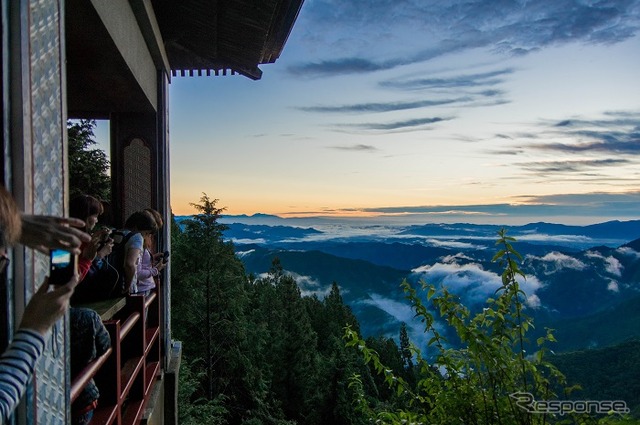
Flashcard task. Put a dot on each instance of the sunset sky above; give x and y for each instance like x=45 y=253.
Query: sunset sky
x=482 y=111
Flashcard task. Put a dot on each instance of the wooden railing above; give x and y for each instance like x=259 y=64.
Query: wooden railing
x=126 y=373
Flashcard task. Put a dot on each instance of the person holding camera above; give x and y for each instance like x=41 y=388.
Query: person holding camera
x=87 y=208
x=45 y=307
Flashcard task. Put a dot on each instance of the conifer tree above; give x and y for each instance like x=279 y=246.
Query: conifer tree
x=210 y=293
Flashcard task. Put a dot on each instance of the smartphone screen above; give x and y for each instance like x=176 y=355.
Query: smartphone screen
x=63 y=266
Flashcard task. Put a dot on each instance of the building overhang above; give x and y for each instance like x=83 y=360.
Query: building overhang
x=209 y=36
x=110 y=67
x=117 y=49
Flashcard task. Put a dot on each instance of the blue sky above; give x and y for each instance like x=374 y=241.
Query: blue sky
x=480 y=111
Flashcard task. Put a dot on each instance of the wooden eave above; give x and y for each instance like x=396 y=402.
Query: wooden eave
x=216 y=36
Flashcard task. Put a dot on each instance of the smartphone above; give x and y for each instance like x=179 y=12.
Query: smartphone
x=63 y=266
x=165 y=257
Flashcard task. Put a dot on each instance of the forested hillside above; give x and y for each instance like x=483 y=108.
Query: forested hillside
x=256 y=351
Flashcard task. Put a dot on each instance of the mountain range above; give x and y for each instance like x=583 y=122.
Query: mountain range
x=582 y=281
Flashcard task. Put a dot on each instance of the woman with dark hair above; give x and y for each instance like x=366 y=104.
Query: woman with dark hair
x=150 y=264
x=140 y=223
x=88 y=209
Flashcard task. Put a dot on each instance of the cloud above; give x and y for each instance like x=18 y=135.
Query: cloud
x=563 y=239
x=617 y=134
x=621 y=204
x=358 y=148
x=401 y=312
x=455 y=82
x=452 y=244
x=551 y=167
x=383 y=107
x=418 y=31
x=555 y=261
x=454 y=258
x=310 y=286
x=533 y=301
x=593 y=207
x=613 y=286
x=246 y=241
x=398 y=125
x=611 y=264
x=470 y=281
x=241 y=254
x=590 y=204
x=628 y=251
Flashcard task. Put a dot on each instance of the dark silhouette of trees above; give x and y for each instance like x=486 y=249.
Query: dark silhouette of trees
x=88 y=165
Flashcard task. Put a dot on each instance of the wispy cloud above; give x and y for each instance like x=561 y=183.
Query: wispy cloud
x=611 y=264
x=398 y=125
x=630 y=252
x=491 y=78
x=383 y=107
x=554 y=261
x=356 y=148
x=570 y=166
x=354 y=28
x=310 y=286
x=618 y=133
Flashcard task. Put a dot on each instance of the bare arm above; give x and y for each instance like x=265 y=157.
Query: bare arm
x=46 y=307
x=130 y=267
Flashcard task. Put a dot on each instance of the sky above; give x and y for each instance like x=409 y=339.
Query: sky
x=429 y=111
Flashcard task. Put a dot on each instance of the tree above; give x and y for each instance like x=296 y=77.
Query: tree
x=405 y=352
x=88 y=166
x=210 y=304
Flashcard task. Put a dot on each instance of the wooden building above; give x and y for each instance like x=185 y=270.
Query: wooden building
x=112 y=59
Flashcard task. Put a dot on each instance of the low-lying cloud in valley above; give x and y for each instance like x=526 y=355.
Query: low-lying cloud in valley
x=472 y=283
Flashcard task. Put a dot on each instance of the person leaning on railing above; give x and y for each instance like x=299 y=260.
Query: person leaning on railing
x=151 y=264
x=45 y=307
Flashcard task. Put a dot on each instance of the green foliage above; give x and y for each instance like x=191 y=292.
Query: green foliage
x=604 y=374
x=209 y=296
x=257 y=350
x=197 y=410
x=471 y=384
x=88 y=166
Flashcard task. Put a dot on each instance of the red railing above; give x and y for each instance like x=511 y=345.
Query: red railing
x=126 y=373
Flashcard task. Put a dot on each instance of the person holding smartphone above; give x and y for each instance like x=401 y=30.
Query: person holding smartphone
x=45 y=306
x=150 y=264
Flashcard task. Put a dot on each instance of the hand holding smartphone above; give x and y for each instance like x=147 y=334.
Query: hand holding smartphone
x=63 y=266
